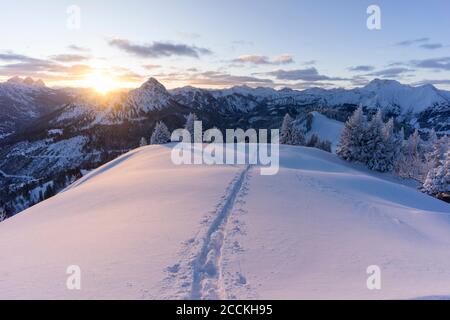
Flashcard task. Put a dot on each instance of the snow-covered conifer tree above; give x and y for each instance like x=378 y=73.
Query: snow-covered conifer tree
x=375 y=148
x=437 y=182
x=297 y=137
x=190 y=125
x=290 y=134
x=325 y=145
x=313 y=141
x=2 y=213
x=161 y=134
x=437 y=152
x=143 y=142
x=286 y=130
x=400 y=160
x=432 y=139
x=353 y=138
x=414 y=166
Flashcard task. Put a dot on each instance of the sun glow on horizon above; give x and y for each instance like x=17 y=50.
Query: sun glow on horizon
x=102 y=82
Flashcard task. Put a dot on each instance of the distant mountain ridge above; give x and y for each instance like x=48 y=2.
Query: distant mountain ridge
x=49 y=137
x=25 y=100
x=386 y=94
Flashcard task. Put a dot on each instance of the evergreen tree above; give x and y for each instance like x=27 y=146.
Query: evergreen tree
x=325 y=145
x=415 y=167
x=2 y=213
x=161 y=134
x=313 y=141
x=432 y=140
x=143 y=142
x=297 y=137
x=437 y=182
x=353 y=138
x=286 y=130
x=375 y=149
x=400 y=166
x=290 y=134
x=437 y=152
x=190 y=126
x=392 y=145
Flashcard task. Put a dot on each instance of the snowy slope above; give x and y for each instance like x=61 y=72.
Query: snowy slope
x=326 y=129
x=140 y=227
x=25 y=100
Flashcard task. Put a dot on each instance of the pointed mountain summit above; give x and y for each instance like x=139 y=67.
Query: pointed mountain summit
x=150 y=96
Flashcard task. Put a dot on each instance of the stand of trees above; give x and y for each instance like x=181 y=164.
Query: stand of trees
x=291 y=135
x=375 y=144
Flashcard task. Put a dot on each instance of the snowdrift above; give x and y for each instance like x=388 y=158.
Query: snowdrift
x=143 y=228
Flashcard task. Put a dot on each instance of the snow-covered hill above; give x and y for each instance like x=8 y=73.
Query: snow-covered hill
x=326 y=129
x=141 y=227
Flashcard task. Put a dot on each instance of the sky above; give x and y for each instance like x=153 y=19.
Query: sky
x=110 y=44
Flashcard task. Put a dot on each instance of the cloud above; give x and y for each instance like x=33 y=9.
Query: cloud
x=308 y=75
x=407 y=43
x=433 y=82
x=69 y=57
x=362 y=68
x=151 y=66
x=421 y=43
x=431 y=46
x=213 y=79
x=264 y=60
x=16 y=57
x=309 y=85
x=47 y=69
x=159 y=49
x=78 y=48
x=129 y=76
x=360 y=80
x=217 y=78
x=437 y=64
x=390 y=72
x=283 y=59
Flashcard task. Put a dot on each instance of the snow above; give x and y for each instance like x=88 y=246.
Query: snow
x=140 y=227
x=326 y=129
x=55 y=132
x=389 y=95
x=150 y=96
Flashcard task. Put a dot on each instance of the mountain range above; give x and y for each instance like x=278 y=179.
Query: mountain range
x=50 y=137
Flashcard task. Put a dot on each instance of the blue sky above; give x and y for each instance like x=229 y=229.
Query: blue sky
x=222 y=43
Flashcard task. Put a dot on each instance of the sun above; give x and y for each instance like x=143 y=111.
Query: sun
x=102 y=82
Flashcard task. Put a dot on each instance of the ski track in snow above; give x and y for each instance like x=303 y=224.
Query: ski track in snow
x=235 y=283
x=198 y=275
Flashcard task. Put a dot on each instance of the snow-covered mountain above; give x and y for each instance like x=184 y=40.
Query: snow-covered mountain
x=422 y=107
x=139 y=228
x=60 y=133
x=386 y=94
x=23 y=101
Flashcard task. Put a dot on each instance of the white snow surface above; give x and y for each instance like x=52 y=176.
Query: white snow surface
x=326 y=129
x=140 y=227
